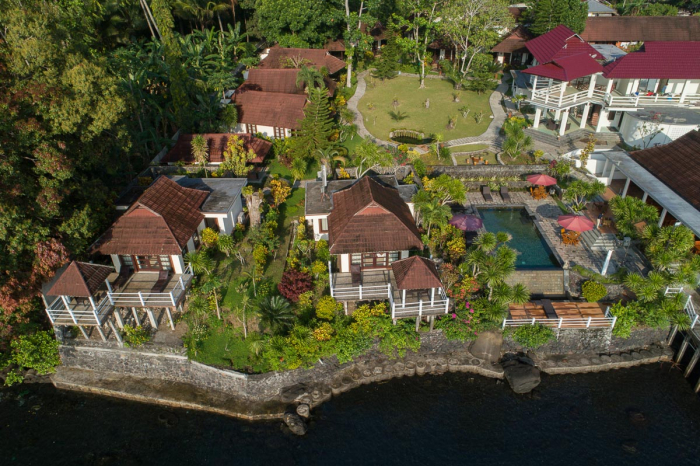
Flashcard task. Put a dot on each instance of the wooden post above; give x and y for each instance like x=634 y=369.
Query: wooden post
x=360 y=286
x=692 y=363
x=170 y=318
x=684 y=346
x=136 y=316
x=417 y=323
x=118 y=318
x=141 y=299
x=116 y=333
x=151 y=317
x=92 y=303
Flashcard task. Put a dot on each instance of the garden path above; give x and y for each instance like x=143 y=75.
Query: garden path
x=490 y=136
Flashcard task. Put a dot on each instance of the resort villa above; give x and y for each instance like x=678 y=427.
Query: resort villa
x=648 y=96
x=269 y=102
x=370 y=227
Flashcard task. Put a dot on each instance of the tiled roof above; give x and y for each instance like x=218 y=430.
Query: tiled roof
x=676 y=164
x=182 y=150
x=659 y=60
x=317 y=58
x=269 y=108
x=559 y=43
x=416 y=273
x=337 y=45
x=282 y=81
x=641 y=28
x=80 y=280
x=371 y=217
x=567 y=68
x=516 y=12
x=514 y=41
x=161 y=221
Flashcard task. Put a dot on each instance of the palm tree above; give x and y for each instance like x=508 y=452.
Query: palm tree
x=212 y=286
x=516 y=141
x=434 y=213
x=200 y=262
x=275 y=314
x=309 y=77
x=629 y=211
x=328 y=155
x=200 y=150
x=242 y=312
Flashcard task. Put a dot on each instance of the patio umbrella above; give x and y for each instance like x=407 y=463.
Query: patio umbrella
x=541 y=180
x=575 y=222
x=466 y=222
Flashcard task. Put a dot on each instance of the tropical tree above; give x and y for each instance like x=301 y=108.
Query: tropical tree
x=545 y=15
x=243 y=311
x=212 y=287
x=309 y=77
x=446 y=189
x=368 y=156
x=316 y=127
x=328 y=155
x=388 y=63
x=629 y=211
x=433 y=213
x=667 y=247
x=579 y=192
x=355 y=38
x=236 y=157
x=516 y=141
x=200 y=262
x=296 y=23
x=200 y=151
x=275 y=314
x=419 y=18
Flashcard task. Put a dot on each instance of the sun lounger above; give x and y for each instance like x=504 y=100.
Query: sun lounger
x=486 y=192
x=549 y=309
x=505 y=194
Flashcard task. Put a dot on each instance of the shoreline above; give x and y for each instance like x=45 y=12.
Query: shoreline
x=175 y=381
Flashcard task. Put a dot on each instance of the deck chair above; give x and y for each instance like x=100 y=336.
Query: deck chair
x=549 y=309
x=505 y=195
x=161 y=282
x=486 y=192
x=356 y=275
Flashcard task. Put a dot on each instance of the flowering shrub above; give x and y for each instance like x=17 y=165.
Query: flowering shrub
x=463 y=289
x=464 y=323
x=409 y=179
x=343 y=174
x=323 y=332
x=209 y=237
x=327 y=308
x=293 y=283
x=593 y=291
x=260 y=253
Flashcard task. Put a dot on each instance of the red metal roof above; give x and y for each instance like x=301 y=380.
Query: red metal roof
x=559 y=43
x=416 y=273
x=568 y=68
x=269 y=108
x=161 y=221
x=182 y=150
x=659 y=60
x=80 y=280
x=371 y=217
x=318 y=58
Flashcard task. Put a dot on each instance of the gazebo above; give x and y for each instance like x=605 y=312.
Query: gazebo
x=80 y=293
x=417 y=281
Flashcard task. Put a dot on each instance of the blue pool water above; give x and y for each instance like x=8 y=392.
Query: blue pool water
x=527 y=240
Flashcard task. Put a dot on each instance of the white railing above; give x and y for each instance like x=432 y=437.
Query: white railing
x=62 y=313
x=148 y=299
x=650 y=100
x=581 y=323
x=552 y=96
x=361 y=292
x=689 y=307
x=420 y=308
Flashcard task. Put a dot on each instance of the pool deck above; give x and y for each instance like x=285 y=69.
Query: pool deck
x=545 y=213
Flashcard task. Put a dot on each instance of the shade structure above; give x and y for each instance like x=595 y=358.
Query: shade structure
x=466 y=222
x=575 y=222
x=541 y=180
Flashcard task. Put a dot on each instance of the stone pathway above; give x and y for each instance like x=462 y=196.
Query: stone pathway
x=490 y=137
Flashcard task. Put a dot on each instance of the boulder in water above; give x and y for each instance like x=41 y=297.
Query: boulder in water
x=295 y=423
x=303 y=410
x=521 y=376
x=487 y=346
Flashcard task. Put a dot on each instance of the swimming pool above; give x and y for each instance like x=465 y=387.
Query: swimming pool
x=533 y=252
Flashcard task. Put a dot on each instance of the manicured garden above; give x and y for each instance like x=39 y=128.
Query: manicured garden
x=399 y=104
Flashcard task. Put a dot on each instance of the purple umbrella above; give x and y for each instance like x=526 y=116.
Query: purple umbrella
x=466 y=222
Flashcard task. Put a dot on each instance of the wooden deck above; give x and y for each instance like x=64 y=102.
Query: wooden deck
x=569 y=314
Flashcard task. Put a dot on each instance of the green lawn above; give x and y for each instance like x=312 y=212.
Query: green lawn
x=468 y=148
x=433 y=120
x=276 y=168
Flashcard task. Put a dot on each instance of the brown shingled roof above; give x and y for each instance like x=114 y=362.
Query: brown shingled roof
x=676 y=164
x=80 y=280
x=282 y=81
x=416 y=273
x=182 y=150
x=641 y=28
x=371 y=217
x=317 y=58
x=269 y=108
x=161 y=221
x=514 y=41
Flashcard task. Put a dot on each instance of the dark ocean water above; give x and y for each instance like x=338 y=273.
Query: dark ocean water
x=449 y=419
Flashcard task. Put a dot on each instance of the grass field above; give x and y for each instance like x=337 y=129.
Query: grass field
x=433 y=120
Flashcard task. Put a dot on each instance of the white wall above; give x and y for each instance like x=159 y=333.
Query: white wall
x=268 y=131
x=117 y=263
x=634 y=133
x=178 y=263
x=314 y=221
x=190 y=245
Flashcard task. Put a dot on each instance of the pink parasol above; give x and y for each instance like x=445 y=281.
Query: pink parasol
x=466 y=222
x=541 y=180
x=575 y=222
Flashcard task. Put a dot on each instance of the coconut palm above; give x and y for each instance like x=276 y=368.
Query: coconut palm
x=309 y=77
x=275 y=314
x=200 y=150
x=328 y=155
x=433 y=213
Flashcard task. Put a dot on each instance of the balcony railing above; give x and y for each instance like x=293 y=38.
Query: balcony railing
x=649 y=100
x=420 y=307
x=574 y=323
x=63 y=311
x=144 y=298
x=551 y=97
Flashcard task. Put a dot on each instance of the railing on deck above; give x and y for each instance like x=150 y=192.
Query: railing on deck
x=420 y=308
x=60 y=312
x=650 y=100
x=582 y=323
x=689 y=307
x=551 y=95
x=148 y=299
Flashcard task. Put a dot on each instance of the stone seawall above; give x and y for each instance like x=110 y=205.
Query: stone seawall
x=168 y=378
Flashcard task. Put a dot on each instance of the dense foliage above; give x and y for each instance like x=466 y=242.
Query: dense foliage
x=545 y=15
x=533 y=336
x=593 y=291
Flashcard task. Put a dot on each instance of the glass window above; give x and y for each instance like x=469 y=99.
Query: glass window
x=393 y=256
x=323 y=224
x=356 y=258
x=165 y=263
x=126 y=260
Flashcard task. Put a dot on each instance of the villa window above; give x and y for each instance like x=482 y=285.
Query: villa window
x=393 y=256
x=127 y=262
x=279 y=133
x=252 y=129
x=165 y=263
x=356 y=259
x=323 y=225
